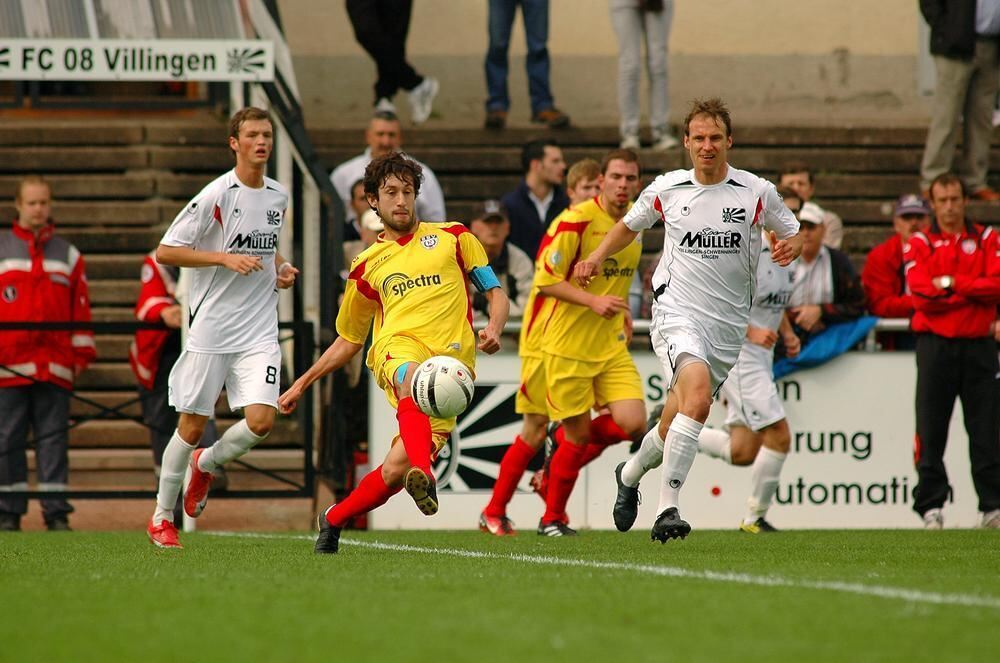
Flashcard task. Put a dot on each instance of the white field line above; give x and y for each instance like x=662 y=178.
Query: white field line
x=900 y=593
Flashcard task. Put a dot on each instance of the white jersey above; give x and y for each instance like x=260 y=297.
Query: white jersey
x=712 y=243
x=774 y=291
x=229 y=312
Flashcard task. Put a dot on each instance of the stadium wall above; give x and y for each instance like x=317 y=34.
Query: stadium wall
x=776 y=61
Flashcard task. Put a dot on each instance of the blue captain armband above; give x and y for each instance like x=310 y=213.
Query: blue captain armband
x=483 y=278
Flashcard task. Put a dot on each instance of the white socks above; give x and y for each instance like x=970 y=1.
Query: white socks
x=235 y=442
x=175 y=461
x=716 y=443
x=678 y=455
x=764 y=482
x=649 y=456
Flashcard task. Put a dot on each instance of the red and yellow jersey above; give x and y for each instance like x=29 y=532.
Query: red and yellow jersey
x=569 y=330
x=415 y=286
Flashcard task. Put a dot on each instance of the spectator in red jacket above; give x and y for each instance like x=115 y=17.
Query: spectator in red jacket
x=953 y=271
x=153 y=354
x=42 y=279
x=883 y=277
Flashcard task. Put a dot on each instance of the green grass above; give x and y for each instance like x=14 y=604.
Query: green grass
x=112 y=597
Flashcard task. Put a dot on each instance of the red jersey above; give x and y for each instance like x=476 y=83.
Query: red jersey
x=972 y=259
x=159 y=282
x=42 y=279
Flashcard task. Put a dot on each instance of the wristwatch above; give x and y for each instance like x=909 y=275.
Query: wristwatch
x=947 y=282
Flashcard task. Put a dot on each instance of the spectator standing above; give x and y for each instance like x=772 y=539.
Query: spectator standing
x=512 y=266
x=798 y=177
x=965 y=44
x=635 y=22
x=883 y=277
x=953 y=271
x=384 y=136
x=827 y=287
x=535 y=14
x=380 y=26
x=42 y=279
x=539 y=198
x=583 y=181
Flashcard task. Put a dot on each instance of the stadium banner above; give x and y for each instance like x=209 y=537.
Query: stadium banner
x=850 y=464
x=136 y=60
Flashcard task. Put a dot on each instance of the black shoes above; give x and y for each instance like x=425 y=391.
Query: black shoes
x=626 y=504
x=669 y=525
x=328 y=541
x=58 y=525
x=423 y=489
x=10 y=522
x=758 y=526
x=555 y=528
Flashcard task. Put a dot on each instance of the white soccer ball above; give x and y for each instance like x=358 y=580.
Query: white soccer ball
x=442 y=387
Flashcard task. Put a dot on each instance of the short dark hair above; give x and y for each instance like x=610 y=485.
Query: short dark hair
x=534 y=150
x=386 y=115
x=387 y=165
x=714 y=107
x=793 y=167
x=947 y=179
x=787 y=192
x=244 y=114
x=628 y=156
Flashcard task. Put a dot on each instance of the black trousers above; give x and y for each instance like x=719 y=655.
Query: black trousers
x=380 y=26
x=965 y=368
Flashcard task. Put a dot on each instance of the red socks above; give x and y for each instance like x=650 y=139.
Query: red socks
x=512 y=468
x=563 y=471
x=369 y=494
x=415 y=431
x=604 y=431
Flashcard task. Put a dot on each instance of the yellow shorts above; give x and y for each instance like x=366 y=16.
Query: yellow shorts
x=530 y=397
x=386 y=358
x=574 y=386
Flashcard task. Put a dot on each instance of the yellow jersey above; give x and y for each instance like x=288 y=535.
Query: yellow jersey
x=415 y=286
x=573 y=331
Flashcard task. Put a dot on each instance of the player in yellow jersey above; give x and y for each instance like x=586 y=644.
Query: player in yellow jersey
x=411 y=289
x=566 y=331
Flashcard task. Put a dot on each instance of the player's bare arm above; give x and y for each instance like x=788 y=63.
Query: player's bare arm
x=762 y=336
x=335 y=357
x=499 y=307
x=183 y=256
x=784 y=251
x=788 y=336
x=286 y=271
x=617 y=239
x=606 y=306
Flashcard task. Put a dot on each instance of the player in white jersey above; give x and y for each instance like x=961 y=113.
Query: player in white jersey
x=229 y=234
x=758 y=431
x=703 y=288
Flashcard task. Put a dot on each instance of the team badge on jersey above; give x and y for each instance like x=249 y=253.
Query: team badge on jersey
x=237 y=213
x=192 y=208
x=9 y=294
x=429 y=241
x=685 y=210
x=968 y=246
x=273 y=217
x=734 y=215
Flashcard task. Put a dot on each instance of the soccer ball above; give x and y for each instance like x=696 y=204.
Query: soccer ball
x=442 y=387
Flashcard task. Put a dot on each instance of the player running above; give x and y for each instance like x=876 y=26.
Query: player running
x=758 y=429
x=703 y=289
x=410 y=288
x=229 y=234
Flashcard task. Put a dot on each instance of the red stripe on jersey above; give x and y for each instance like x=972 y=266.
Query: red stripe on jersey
x=217 y=214
x=756 y=214
x=456 y=231
x=533 y=316
x=365 y=288
x=658 y=206
x=564 y=226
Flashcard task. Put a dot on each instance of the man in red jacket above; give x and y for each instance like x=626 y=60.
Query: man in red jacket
x=953 y=271
x=42 y=279
x=883 y=277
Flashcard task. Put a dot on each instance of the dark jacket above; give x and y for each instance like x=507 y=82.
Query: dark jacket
x=526 y=229
x=953 y=27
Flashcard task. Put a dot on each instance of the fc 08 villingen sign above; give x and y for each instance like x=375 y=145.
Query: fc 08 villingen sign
x=136 y=60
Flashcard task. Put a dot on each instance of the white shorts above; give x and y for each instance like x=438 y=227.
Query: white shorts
x=250 y=377
x=750 y=393
x=675 y=336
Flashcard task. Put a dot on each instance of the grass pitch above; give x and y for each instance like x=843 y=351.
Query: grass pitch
x=465 y=596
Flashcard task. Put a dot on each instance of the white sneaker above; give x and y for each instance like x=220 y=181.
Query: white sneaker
x=665 y=142
x=630 y=143
x=990 y=520
x=934 y=519
x=422 y=99
x=385 y=105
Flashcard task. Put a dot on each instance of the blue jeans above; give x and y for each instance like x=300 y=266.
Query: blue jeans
x=536 y=29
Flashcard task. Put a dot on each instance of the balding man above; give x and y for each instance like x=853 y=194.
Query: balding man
x=383 y=136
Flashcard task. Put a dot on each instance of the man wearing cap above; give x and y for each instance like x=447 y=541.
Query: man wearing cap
x=827 y=288
x=883 y=278
x=953 y=271
x=512 y=266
